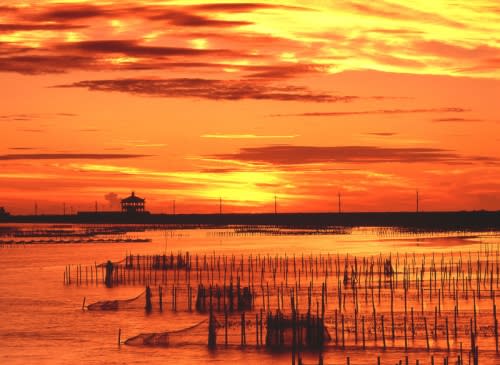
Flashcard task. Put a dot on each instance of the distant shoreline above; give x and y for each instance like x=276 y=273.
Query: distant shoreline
x=421 y=220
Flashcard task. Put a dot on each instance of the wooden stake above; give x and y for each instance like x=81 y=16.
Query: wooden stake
x=383 y=331
x=426 y=334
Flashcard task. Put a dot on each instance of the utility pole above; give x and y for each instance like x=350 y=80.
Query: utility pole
x=166 y=240
x=417 y=202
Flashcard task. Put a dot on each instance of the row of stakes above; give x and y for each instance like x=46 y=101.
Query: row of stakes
x=456 y=277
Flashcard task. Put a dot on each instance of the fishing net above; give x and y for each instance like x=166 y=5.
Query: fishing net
x=193 y=335
x=115 y=263
x=217 y=297
x=306 y=330
x=112 y=305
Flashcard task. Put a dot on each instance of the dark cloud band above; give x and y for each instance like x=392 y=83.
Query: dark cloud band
x=288 y=154
x=68 y=156
x=210 y=89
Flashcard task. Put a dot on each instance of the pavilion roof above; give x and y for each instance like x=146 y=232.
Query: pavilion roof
x=133 y=199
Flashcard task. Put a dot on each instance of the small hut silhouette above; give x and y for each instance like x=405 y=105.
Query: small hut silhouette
x=133 y=204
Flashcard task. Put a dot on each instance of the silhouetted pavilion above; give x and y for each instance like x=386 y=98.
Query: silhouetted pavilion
x=133 y=204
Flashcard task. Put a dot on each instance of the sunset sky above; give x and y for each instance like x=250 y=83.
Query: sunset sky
x=196 y=100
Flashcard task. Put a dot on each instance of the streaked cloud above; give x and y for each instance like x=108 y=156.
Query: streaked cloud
x=374 y=112
x=387 y=10
x=209 y=89
x=16 y=27
x=247 y=136
x=133 y=49
x=289 y=154
x=69 y=156
x=22 y=148
x=381 y=134
x=25 y=117
x=457 y=120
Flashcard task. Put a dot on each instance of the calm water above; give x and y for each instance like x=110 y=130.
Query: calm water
x=41 y=320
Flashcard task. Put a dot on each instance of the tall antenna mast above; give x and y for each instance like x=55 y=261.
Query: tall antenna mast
x=340 y=207
x=96 y=206
x=220 y=205
x=275 y=205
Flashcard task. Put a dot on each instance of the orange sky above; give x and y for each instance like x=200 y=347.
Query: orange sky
x=196 y=100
